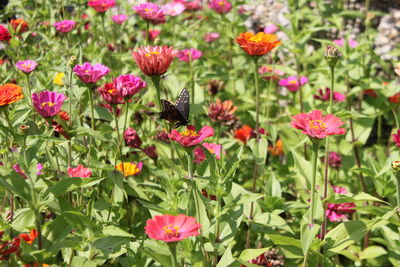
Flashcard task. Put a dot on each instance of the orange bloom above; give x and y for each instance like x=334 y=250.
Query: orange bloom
x=10 y=93
x=19 y=25
x=257 y=44
x=276 y=150
x=243 y=134
x=29 y=238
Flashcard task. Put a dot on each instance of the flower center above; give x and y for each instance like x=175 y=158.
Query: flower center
x=152 y=53
x=211 y=150
x=148 y=9
x=256 y=38
x=190 y=133
x=293 y=82
x=171 y=231
x=49 y=104
x=111 y=91
x=221 y=3
x=317 y=125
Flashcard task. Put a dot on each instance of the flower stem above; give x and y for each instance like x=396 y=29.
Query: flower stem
x=146 y=41
x=315 y=147
x=172 y=249
x=156 y=82
x=92 y=121
x=104 y=29
x=119 y=144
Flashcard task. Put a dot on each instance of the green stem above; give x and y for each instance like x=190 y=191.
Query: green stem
x=172 y=249
x=156 y=81
x=104 y=29
x=315 y=147
x=119 y=145
x=146 y=41
x=396 y=119
x=126 y=116
x=92 y=121
x=398 y=199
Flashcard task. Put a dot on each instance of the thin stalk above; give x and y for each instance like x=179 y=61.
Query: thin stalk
x=172 y=249
x=92 y=121
x=104 y=29
x=146 y=41
x=217 y=228
x=126 y=117
x=398 y=198
x=315 y=147
x=119 y=145
x=395 y=118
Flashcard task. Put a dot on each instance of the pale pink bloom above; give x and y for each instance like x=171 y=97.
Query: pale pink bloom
x=188 y=54
x=190 y=137
x=26 y=66
x=274 y=74
x=341 y=42
x=65 y=26
x=211 y=37
x=150 y=12
x=128 y=85
x=271 y=28
x=120 y=18
x=220 y=6
x=200 y=156
x=173 y=9
x=292 y=83
x=91 y=73
x=325 y=96
x=190 y=5
x=79 y=171
x=101 y=6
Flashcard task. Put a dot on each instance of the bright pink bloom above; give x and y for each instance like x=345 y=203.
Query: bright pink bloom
x=173 y=9
x=48 y=103
x=101 y=6
x=200 y=156
x=154 y=60
x=39 y=168
x=335 y=212
x=20 y=171
x=26 y=66
x=169 y=228
x=152 y=34
x=65 y=26
x=315 y=125
x=190 y=5
x=324 y=96
x=341 y=42
x=79 y=171
x=128 y=85
x=220 y=6
x=292 y=83
x=271 y=28
x=211 y=37
x=188 y=54
x=4 y=34
x=91 y=73
x=150 y=12
x=396 y=138
x=120 y=18
x=190 y=137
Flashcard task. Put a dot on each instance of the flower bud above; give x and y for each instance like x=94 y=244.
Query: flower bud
x=331 y=55
x=396 y=168
x=72 y=60
x=23 y=129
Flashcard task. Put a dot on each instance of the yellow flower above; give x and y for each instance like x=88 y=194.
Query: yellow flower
x=59 y=78
x=129 y=168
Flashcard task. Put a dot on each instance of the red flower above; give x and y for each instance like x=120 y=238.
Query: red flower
x=257 y=44
x=169 y=228
x=8 y=247
x=19 y=25
x=79 y=171
x=151 y=151
x=396 y=138
x=29 y=238
x=370 y=92
x=200 y=156
x=63 y=115
x=101 y=6
x=154 y=60
x=4 y=34
x=222 y=112
x=132 y=139
x=243 y=134
x=110 y=94
x=395 y=98
x=190 y=137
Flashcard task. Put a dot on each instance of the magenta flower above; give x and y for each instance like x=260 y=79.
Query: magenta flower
x=128 y=85
x=271 y=28
x=341 y=42
x=211 y=37
x=173 y=9
x=315 y=125
x=336 y=212
x=79 y=171
x=26 y=66
x=188 y=54
x=190 y=5
x=48 y=103
x=101 y=6
x=91 y=73
x=190 y=137
x=170 y=228
x=65 y=26
x=292 y=83
x=152 y=34
x=220 y=6
x=334 y=160
x=39 y=168
x=132 y=138
x=150 y=12
x=396 y=138
x=120 y=18
x=214 y=149
x=20 y=171
x=337 y=97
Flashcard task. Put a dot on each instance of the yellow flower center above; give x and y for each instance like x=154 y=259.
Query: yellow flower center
x=293 y=82
x=26 y=65
x=111 y=91
x=189 y=133
x=171 y=231
x=148 y=9
x=211 y=150
x=152 y=53
x=317 y=125
x=128 y=168
x=49 y=104
x=221 y=3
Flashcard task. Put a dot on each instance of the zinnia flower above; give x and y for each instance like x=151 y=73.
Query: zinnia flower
x=132 y=139
x=26 y=66
x=169 y=228
x=150 y=151
x=65 y=26
x=292 y=82
x=8 y=247
x=10 y=93
x=274 y=74
x=19 y=25
x=341 y=42
x=4 y=34
x=190 y=5
x=110 y=94
x=189 y=54
x=271 y=258
x=91 y=73
x=128 y=85
x=150 y=12
x=29 y=238
x=334 y=160
x=154 y=60
x=120 y=18
x=79 y=171
x=222 y=112
x=190 y=137
x=58 y=79
x=17 y=168
x=396 y=138
x=243 y=134
x=214 y=86
x=173 y=9
x=395 y=99
x=200 y=156
x=337 y=97
x=101 y=6
x=152 y=34
x=257 y=45
x=220 y=6
x=129 y=168
x=276 y=150
x=315 y=125
x=271 y=28
x=48 y=103
x=336 y=212
x=39 y=168
x=211 y=37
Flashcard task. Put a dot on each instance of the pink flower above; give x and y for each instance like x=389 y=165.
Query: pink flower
x=315 y=125
x=79 y=171
x=150 y=151
x=274 y=74
x=337 y=97
x=339 y=190
x=120 y=18
x=396 y=138
x=200 y=156
x=341 y=42
x=48 y=103
x=26 y=66
x=154 y=60
x=189 y=54
x=101 y=6
x=65 y=26
x=173 y=9
x=292 y=83
x=335 y=212
x=334 y=160
x=169 y=228
x=39 y=168
x=20 y=171
x=109 y=94
x=150 y=12
x=220 y=6
x=152 y=34
x=211 y=37
x=271 y=28
x=132 y=139
x=190 y=137
x=91 y=73
x=128 y=85
x=190 y=5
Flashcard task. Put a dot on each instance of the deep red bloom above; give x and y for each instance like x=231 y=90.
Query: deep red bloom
x=162 y=136
x=395 y=98
x=370 y=92
x=222 y=112
x=151 y=151
x=4 y=34
x=243 y=134
x=190 y=137
x=154 y=60
x=19 y=25
x=132 y=139
x=110 y=94
x=59 y=129
x=9 y=247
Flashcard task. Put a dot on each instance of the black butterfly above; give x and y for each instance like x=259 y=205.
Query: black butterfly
x=179 y=112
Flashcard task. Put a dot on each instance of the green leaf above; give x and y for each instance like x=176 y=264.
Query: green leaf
x=372 y=252
x=307 y=236
x=288 y=243
x=15 y=183
x=249 y=254
x=70 y=184
x=272 y=220
x=24 y=220
x=54 y=234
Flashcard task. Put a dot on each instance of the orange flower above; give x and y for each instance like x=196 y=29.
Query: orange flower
x=243 y=134
x=10 y=93
x=19 y=25
x=129 y=168
x=29 y=238
x=276 y=150
x=257 y=44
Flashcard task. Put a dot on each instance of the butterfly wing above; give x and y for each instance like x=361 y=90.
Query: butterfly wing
x=170 y=112
x=183 y=104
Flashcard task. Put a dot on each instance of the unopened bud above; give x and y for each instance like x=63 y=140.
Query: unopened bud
x=72 y=60
x=331 y=55
x=22 y=129
x=396 y=168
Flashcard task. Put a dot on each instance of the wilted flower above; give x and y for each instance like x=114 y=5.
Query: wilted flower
x=79 y=171
x=276 y=150
x=274 y=74
x=48 y=103
x=91 y=73
x=27 y=66
x=154 y=60
x=63 y=115
x=59 y=129
x=396 y=138
x=190 y=137
x=19 y=25
x=120 y=18
x=150 y=12
x=211 y=37
x=222 y=112
x=214 y=86
x=65 y=26
x=341 y=42
x=315 y=125
x=200 y=156
x=128 y=85
x=292 y=82
x=335 y=212
x=189 y=54
x=325 y=96
x=129 y=168
x=169 y=228
x=4 y=34
x=17 y=168
x=173 y=9
x=271 y=258
x=150 y=151
x=331 y=55
x=162 y=136
x=132 y=139
x=110 y=94
x=101 y=6
x=220 y=6
x=58 y=79
x=10 y=93
x=243 y=134
x=271 y=28
x=257 y=44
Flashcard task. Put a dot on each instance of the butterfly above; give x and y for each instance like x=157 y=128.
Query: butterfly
x=179 y=112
